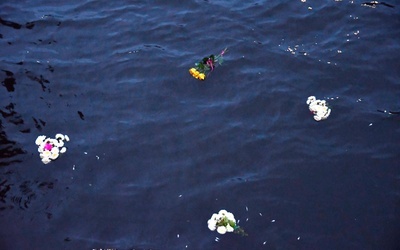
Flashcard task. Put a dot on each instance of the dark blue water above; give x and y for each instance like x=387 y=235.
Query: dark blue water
x=154 y=152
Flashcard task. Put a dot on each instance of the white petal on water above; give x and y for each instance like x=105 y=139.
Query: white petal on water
x=54 y=156
x=177 y=236
x=60 y=136
x=264 y=242
x=63 y=150
x=46 y=160
x=216 y=239
x=66 y=137
x=272 y=221
x=298 y=238
x=221 y=230
x=97 y=157
x=55 y=150
x=40 y=139
x=59 y=143
x=85 y=153
x=370 y=124
x=180 y=196
x=247 y=209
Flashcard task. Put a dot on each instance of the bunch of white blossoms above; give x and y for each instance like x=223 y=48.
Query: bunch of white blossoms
x=49 y=148
x=319 y=108
x=223 y=222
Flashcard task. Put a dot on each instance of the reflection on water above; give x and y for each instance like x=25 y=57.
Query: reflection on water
x=10 y=150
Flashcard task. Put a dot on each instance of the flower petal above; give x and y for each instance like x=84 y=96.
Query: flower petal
x=40 y=139
x=59 y=136
x=221 y=230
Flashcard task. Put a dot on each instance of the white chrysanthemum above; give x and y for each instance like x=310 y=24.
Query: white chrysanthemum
x=222 y=212
x=310 y=99
x=45 y=154
x=66 y=137
x=212 y=225
x=221 y=230
x=53 y=141
x=42 y=144
x=63 y=150
x=229 y=228
x=59 y=143
x=216 y=217
x=40 y=139
x=54 y=156
x=59 y=136
x=230 y=217
x=46 y=160
x=55 y=150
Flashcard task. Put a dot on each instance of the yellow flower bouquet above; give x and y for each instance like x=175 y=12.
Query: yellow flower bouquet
x=206 y=65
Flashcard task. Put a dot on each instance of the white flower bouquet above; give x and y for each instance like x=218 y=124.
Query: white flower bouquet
x=319 y=108
x=224 y=222
x=49 y=149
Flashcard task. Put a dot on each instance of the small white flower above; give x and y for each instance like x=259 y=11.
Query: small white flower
x=229 y=228
x=59 y=136
x=55 y=150
x=230 y=217
x=54 y=156
x=53 y=141
x=59 y=143
x=211 y=225
x=317 y=118
x=40 y=139
x=63 y=150
x=223 y=212
x=311 y=99
x=221 y=230
x=45 y=154
x=46 y=160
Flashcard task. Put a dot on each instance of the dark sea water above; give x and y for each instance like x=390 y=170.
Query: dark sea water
x=154 y=152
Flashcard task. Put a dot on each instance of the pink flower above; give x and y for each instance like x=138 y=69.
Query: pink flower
x=48 y=146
